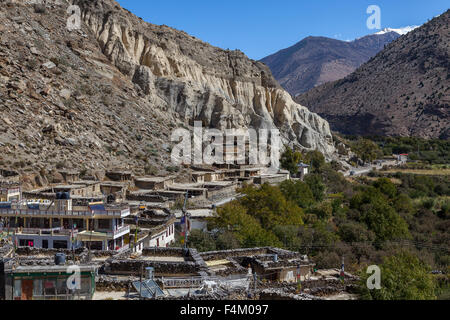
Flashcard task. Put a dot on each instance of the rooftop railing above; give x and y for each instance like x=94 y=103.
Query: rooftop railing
x=48 y=231
x=118 y=213
x=124 y=229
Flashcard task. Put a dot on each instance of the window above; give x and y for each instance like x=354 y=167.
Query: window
x=17 y=289
x=95 y=245
x=104 y=224
x=59 y=244
x=38 y=289
x=26 y=243
x=85 y=285
x=45 y=244
x=61 y=286
x=50 y=287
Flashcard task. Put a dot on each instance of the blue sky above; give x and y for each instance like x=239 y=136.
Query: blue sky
x=262 y=27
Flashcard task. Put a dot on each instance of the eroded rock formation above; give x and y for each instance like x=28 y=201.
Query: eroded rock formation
x=182 y=74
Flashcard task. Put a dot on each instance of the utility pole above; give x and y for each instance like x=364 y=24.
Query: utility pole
x=255 y=278
x=72 y=240
x=136 y=232
x=185 y=219
x=342 y=273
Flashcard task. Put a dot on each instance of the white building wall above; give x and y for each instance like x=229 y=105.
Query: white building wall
x=38 y=240
x=163 y=239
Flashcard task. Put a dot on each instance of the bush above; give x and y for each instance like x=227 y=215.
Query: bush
x=39 y=8
x=201 y=241
x=151 y=170
x=403 y=277
x=289 y=160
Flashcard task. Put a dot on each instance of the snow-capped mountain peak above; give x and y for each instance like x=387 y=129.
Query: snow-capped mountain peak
x=401 y=31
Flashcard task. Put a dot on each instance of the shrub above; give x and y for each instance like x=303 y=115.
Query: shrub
x=39 y=8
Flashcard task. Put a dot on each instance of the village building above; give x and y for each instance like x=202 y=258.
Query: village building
x=402 y=158
x=303 y=170
x=197 y=218
x=270 y=264
x=275 y=178
x=154 y=183
x=151 y=229
x=10 y=191
x=60 y=224
x=8 y=175
x=114 y=191
x=119 y=175
x=43 y=275
x=78 y=189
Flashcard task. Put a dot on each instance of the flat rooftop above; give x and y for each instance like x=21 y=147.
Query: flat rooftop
x=52 y=268
x=153 y=179
x=195 y=213
x=163 y=259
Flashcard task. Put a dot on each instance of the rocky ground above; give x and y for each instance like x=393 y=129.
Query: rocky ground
x=64 y=105
x=110 y=94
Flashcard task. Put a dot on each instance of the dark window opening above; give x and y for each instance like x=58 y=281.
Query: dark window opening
x=59 y=244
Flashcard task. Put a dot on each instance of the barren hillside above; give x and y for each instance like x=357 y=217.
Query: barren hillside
x=404 y=90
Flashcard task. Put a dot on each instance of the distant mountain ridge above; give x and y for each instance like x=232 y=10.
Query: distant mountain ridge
x=318 y=60
x=402 y=91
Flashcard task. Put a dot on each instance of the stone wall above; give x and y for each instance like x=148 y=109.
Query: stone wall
x=218 y=255
x=164 y=252
x=222 y=192
x=105 y=283
x=124 y=265
x=134 y=267
x=147 y=197
x=270 y=294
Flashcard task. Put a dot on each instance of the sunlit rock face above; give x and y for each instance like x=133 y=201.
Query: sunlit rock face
x=183 y=75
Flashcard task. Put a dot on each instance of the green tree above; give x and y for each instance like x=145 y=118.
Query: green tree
x=233 y=217
x=289 y=236
x=201 y=241
x=386 y=186
x=366 y=150
x=270 y=207
x=316 y=159
x=379 y=216
x=353 y=231
x=403 y=277
x=227 y=241
x=323 y=211
x=298 y=192
x=290 y=159
x=315 y=183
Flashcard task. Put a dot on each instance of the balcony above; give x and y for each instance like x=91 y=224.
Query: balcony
x=48 y=231
x=119 y=232
x=113 y=213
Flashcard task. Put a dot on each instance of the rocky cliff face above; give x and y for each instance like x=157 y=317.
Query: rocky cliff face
x=197 y=81
x=110 y=94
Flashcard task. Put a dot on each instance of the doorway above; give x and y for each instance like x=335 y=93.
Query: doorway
x=27 y=290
